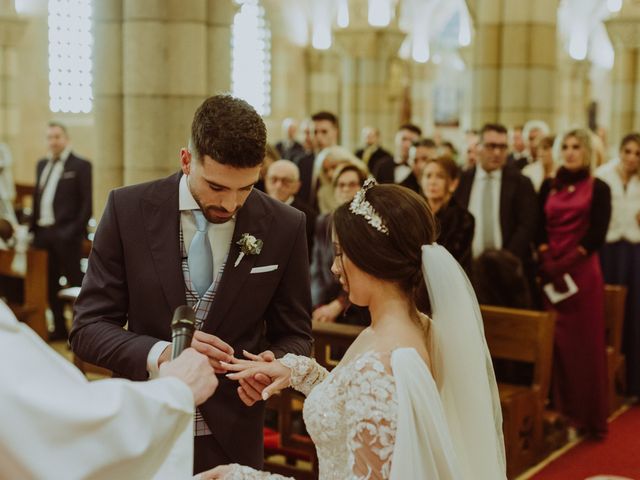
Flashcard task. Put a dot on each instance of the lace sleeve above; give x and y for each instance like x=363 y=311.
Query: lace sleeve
x=306 y=373
x=371 y=411
x=239 y=472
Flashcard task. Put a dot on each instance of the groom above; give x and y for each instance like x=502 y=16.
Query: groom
x=203 y=237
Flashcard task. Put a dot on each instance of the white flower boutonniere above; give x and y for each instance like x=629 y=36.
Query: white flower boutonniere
x=249 y=245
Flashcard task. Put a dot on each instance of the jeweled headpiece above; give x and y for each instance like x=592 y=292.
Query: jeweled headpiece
x=360 y=206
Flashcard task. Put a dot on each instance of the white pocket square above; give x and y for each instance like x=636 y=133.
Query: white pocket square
x=266 y=268
x=69 y=175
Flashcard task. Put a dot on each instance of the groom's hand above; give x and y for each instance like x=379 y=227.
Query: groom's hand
x=215 y=349
x=250 y=389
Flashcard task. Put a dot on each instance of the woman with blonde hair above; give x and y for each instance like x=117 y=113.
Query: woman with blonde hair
x=414 y=397
x=327 y=161
x=576 y=208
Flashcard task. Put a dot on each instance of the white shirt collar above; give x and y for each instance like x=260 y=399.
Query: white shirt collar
x=186 y=200
x=289 y=200
x=481 y=173
x=63 y=156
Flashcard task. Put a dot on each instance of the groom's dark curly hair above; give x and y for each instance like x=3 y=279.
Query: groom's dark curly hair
x=230 y=131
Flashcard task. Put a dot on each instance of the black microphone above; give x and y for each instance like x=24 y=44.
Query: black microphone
x=182 y=327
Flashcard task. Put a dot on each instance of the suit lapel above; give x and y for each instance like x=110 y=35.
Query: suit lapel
x=253 y=218
x=506 y=191
x=162 y=224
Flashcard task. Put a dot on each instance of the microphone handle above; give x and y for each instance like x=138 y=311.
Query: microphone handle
x=181 y=341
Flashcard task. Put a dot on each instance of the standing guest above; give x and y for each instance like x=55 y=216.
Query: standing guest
x=517 y=145
x=283 y=183
x=330 y=303
x=56 y=424
x=576 y=208
x=440 y=178
x=372 y=153
x=396 y=169
x=206 y=238
x=620 y=256
x=545 y=165
x=533 y=130
x=289 y=147
x=270 y=155
x=62 y=205
x=419 y=154
x=472 y=139
x=328 y=162
x=500 y=198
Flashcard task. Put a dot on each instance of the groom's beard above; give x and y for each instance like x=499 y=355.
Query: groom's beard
x=218 y=214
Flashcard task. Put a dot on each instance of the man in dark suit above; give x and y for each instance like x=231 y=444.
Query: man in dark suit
x=419 y=154
x=282 y=182
x=289 y=148
x=372 y=153
x=202 y=237
x=62 y=205
x=396 y=169
x=501 y=199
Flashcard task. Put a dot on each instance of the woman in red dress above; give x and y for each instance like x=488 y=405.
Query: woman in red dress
x=576 y=211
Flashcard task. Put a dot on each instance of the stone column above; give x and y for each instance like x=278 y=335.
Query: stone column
x=422 y=96
x=164 y=79
x=11 y=30
x=323 y=75
x=367 y=54
x=514 y=60
x=574 y=92
x=220 y=15
x=108 y=162
x=624 y=31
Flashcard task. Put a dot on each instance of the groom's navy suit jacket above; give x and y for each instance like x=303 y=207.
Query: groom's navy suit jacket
x=135 y=277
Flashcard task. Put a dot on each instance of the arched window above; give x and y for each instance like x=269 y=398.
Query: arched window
x=70 y=65
x=251 y=56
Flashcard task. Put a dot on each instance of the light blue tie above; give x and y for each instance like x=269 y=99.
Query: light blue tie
x=200 y=258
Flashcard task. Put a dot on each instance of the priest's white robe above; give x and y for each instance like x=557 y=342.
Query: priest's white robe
x=57 y=425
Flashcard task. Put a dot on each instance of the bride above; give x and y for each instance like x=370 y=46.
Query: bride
x=413 y=397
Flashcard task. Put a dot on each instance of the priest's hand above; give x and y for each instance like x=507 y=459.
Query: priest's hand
x=210 y=345
x=195 y=370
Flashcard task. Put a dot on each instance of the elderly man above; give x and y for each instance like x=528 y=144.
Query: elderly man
x=283 y=183
x=289 y=147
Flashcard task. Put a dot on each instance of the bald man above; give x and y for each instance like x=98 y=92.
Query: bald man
x=282 y=182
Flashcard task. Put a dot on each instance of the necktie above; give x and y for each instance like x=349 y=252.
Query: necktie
x=54 y=162
x=488 y=220
x=200 y=257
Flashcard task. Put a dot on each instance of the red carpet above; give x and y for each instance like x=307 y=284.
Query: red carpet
x=618 y=455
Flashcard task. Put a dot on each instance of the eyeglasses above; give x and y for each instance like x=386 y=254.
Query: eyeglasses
x=501 y=147
x=284 y=180
x=347 y=185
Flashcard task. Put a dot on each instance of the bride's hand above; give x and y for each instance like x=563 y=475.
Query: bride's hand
x=220 y=472
x=245 y=369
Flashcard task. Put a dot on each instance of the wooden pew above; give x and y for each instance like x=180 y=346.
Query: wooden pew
x=26 y=294
x=523 y=336
x=614 y=306
x=331 y=340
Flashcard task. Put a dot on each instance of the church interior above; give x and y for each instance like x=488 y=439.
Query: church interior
x=421 y=93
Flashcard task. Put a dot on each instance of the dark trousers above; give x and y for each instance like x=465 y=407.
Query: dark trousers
x=63 y=259
x=207 y=454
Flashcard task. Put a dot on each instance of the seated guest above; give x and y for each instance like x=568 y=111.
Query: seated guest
x=420 y=153
x=330 y=302
x=545 y=164
x=56 y=424
x=327 y=162
x=576 y=208
x=620 y=256
x=283 y=183
x=498 y=279
x=439 y=180
x=270 y=156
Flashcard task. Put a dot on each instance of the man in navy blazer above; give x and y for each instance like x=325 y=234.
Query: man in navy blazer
x=140 y=272
x=62 y=204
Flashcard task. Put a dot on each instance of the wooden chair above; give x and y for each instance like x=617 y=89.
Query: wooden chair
x=523 y=336
x=26 y=294
x=331 y=340
x=614 y=307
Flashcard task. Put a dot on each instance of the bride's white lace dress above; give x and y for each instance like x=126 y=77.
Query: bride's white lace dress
x=378 y=416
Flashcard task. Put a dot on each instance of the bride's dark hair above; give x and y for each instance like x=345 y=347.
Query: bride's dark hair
x=395 y=257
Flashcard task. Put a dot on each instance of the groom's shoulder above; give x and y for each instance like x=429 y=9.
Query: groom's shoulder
x=153 y=190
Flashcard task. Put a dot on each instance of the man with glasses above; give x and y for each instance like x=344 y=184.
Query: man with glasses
x=283 y=183
x=500 y=198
